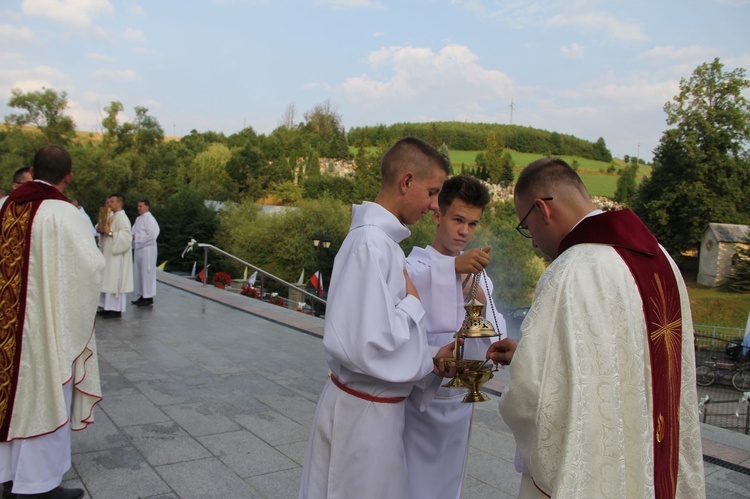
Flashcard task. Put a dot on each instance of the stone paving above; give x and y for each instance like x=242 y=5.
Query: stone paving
x=211 y=394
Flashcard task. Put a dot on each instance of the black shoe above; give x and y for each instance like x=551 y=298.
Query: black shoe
x=100 y=311
x=144 y=302
x=8 y=490
x=111 y=314
x=138 y=301
x=58 y=493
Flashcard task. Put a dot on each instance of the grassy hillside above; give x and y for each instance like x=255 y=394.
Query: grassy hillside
x=718 y=307
x=593 y=173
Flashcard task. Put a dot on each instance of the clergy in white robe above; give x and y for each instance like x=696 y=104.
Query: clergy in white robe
x=602 y=398
x=50 y=278
x=437 y=437
x=145 y=232
x=117 y=247
x=374 y=339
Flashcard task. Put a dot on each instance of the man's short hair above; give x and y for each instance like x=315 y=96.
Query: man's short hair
x=119 y=197
x=468 y=189
x=411 y=154
x=52 y=164
x=145 y=202
x=540 y=176
x=18 y=176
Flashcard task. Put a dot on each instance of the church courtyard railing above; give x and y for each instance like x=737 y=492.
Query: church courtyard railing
x=297 y=298
x=723 y=377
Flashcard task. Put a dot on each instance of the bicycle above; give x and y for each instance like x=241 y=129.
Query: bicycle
x=707 y=373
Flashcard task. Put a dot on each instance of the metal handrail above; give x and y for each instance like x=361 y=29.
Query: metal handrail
x=260 y=271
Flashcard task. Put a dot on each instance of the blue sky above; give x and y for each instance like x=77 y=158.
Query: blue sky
x=591 y=68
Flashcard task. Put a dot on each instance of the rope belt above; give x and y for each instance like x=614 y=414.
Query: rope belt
x=366 y=396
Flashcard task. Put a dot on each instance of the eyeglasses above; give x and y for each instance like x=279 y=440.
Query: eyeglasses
x=521 y=228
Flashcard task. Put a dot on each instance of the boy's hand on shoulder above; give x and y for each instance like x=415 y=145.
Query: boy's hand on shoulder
x=411 y=289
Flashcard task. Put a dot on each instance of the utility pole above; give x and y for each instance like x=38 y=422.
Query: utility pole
x=512 y=107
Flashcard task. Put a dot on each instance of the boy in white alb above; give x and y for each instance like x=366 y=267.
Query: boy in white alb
x=374 y=339
x=437 y=438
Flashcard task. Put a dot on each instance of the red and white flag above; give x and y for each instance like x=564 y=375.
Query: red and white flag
x=317 y=281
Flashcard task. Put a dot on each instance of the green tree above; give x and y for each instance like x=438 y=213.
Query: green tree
x=507 y=176
x=367 y=173
x=601 y=151
x=325 y=131
x=183 y=217
x=701 y=171
x=445 y=152
x=627 y=185
x=493 y=157
x=208 y=174
x=282 y=243
x=43 y=109
x=287 y=192
x=148 y=131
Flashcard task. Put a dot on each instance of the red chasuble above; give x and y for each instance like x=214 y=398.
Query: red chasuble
x=16 y=218
x=657 y=285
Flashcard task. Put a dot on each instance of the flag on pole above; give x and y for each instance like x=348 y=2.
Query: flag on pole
x=192 y=274
x=244 y=276
x=163 y=264
x=317 y=281
x=253 y=277
x=301 y=277
x=201 y=274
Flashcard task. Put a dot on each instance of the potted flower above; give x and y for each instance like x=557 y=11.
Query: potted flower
x=250 y=291
x=222 y=279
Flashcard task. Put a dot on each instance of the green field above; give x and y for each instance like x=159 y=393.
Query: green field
x=593 y=173
x=718 y=307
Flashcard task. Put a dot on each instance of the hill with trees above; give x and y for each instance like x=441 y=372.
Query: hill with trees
x=701 y=174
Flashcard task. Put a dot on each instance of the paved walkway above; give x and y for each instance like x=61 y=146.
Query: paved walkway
x=211 y=394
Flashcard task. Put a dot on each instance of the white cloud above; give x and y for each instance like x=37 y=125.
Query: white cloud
x=84 y=117
x=378 y=34
x=133 y=35
x=579 y=15
x=470 y=5
x=99 y=99
x=28 y=80
x=151 y=104
x=451 y=78
x=75 y=12
x=145 y=51
x=356 y=4
x=9 y=33
x=693 y=52
x=602 y=22
x=572 y=51
x=136 y=10
x=100 y=57
x=11 y=58
x=116 y=75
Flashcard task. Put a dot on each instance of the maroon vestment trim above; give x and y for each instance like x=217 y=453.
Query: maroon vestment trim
x=660 y=295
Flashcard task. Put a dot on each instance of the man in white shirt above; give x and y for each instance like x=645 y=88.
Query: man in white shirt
x=437 y=438
x=117 y=247
x=145 y=232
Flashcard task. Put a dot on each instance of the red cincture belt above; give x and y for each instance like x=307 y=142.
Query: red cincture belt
x=366 y=396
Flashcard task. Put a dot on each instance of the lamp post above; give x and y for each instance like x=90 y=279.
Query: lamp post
x=320 y=242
